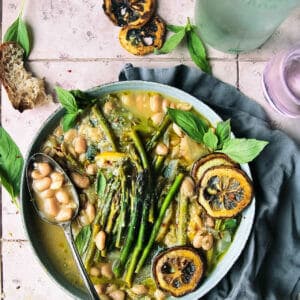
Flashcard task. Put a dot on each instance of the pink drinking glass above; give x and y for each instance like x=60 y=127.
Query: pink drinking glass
x=281 y=82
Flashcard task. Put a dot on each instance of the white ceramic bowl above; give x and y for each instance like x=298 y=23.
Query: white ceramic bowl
x=241 y=234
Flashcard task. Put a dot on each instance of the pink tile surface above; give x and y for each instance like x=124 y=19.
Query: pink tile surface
x=76 y=46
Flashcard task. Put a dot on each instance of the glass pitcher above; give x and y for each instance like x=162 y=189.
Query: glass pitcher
x=240 y=25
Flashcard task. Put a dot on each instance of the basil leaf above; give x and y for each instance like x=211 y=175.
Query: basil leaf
x=67 y=100
x=210 y=140
x=197 y=51
x=83 y=99
x=174 y=28
x=190 y=123
x=82 y=239
x=101 y=184
x=11 y=164
x=243 y=150
x=223 y=132
x=18 y=32
x=69 y=121
x=171 y=43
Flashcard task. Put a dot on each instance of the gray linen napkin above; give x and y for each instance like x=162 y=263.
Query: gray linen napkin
x=269 y=267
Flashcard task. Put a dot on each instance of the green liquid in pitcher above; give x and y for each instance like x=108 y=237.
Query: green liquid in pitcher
x=240 y=25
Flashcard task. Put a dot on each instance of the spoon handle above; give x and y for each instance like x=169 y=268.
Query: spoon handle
x=88 y=283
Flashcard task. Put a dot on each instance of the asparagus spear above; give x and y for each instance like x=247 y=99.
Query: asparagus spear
x=105 y=127
x=161 y=129
x=158 y=163
x=122 y=216
x=171 y=194
x=91 y=247
x=140 y=240
x=133 y=224
x=143 y=155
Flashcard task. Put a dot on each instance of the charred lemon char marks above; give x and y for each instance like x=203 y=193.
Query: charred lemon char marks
x=225 y=191
x=143 y=40
x=178 y=270
x=142 y=32
x=129 y=12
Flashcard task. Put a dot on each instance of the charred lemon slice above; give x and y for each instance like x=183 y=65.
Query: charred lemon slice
x=141 y=41
x=129 y=12
x=225 y=191
x=178 y=270
x=208 y=161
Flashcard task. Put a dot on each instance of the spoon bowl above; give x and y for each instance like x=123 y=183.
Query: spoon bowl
x=65 y=224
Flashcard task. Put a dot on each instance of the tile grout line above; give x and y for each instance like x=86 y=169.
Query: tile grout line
x=134 y=59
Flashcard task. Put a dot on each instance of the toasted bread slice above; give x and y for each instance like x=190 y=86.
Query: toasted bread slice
x=23 y=90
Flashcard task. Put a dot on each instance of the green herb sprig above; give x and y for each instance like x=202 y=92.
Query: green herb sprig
x=75 y=102
x=18 y=32
x=11 y=164
x=240 y=150
x=195 y=45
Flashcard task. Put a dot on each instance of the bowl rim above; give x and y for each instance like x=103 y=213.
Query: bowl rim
x=243 y=231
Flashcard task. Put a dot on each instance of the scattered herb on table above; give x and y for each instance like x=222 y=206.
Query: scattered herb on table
x=194 y=44
x=240 y=150
x=11 y=164
x=18 y=32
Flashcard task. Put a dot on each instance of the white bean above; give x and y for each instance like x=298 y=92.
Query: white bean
x=108 y=107
x=207 y=242
x=91 y=169
x=80 y=145
x=155 y=103
x=197 y=241
x=64 y=214
x=57 y=180
x=178 y=130
x=100 y=240
x=187 y=187
x=165 y=105
x=94 y=271
x=100 y=289
x=70 y=135
x=117 y=295
x=35 y=174
x=111 y=287
x=47 y=193
x=161 y=149
x=80 y=181
x=90 y=212
x=127 y=100
x=209 y=222
x=42 y=184
x=184 y=106
x=51 y=208
x=157 y=118
x=44 y=168
x=106 y=271
x=139 y=289
x=62 y=196
x=84 y=220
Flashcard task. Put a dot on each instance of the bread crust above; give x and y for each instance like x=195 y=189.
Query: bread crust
x=24 y=90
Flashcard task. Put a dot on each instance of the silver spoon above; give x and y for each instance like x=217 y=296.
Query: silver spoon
x=66 y=225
